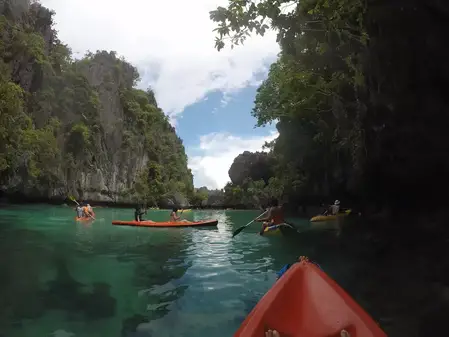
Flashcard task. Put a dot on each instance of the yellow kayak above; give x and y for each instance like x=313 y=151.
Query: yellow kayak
x=187 y=210
x=274 y=230
x=330 y=217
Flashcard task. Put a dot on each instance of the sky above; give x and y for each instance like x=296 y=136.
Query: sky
x=207 y=94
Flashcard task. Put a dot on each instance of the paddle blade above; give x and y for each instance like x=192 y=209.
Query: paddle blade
x=238 y=231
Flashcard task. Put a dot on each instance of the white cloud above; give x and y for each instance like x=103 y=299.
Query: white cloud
x=171 y=43
x=217 y=152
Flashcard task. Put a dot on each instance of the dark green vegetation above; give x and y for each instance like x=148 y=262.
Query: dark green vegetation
x=79 y=126
x=357 y=94
x=253 y=181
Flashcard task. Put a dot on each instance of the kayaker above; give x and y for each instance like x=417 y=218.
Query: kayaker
x=79 y=211
x=275 y=216
x=90 y=209
x=138 y=213
x=335 y=208
x=87 y=211
x=174 y=217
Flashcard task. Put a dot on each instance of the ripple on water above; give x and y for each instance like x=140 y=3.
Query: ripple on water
x=185 y=282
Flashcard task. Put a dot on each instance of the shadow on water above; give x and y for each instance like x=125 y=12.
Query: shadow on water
x=159 y=267
x=93 y=274
x=67 y=294
x=397 y=272
x=21 y=259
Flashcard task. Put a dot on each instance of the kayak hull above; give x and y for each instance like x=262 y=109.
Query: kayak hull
x=149 y=223
x=307 y=302
x=272 y=231
x=320 y=218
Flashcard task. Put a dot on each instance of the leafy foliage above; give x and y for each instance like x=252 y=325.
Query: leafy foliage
x=340 y=91
x=198 y=197
x=253 y=193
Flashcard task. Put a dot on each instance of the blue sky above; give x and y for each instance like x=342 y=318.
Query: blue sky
x=227 y=127
x=208 y=95
x=210 y=116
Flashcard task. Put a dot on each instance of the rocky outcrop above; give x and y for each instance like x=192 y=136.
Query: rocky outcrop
x=108 y=133
x=251 y=165
x=116 y=166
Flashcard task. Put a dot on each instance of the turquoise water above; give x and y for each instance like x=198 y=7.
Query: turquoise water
x=63 y=278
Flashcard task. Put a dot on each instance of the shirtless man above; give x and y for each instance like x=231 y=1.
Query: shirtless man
x=275 y=216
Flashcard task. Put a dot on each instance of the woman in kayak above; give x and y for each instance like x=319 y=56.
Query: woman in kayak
x=87 y=211
x=275 y=216
x=174 y=217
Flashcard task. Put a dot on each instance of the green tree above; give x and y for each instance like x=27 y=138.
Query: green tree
x=313 y=91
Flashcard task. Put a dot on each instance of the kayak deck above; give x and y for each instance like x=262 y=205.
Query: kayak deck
x=306 y=302
x=149 y=223
x=276 y=230
x=272 y=230
x=329 y=217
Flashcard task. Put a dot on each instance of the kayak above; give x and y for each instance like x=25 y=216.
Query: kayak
x=149 y=223
x=186 y=210
x=307 y=302
x=272 y=230
x=329 y=217
x=83 y=218
x=277 y=229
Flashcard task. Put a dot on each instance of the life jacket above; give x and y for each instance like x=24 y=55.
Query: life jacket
x=277 y=216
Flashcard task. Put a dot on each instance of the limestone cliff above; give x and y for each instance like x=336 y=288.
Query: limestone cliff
x=79 y=127
x=251 y=165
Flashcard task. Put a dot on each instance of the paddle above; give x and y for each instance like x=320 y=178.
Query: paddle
x=249 y=223
x=76 y=202
x=180 y=219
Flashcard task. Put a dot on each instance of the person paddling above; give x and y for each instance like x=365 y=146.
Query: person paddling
x=79 y=211
x=333 y=209
x=138 y=213
x=174 y=217
x=275 y=216
x=87 y=211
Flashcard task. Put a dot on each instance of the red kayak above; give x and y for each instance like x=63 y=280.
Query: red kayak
x=149 y=223
x=305 y=302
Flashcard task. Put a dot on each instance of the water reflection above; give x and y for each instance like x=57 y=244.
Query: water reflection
x=60 y=277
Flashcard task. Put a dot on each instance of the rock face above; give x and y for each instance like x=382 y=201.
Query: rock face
x=109 y=134
x=116 y=166
x=253 y=165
